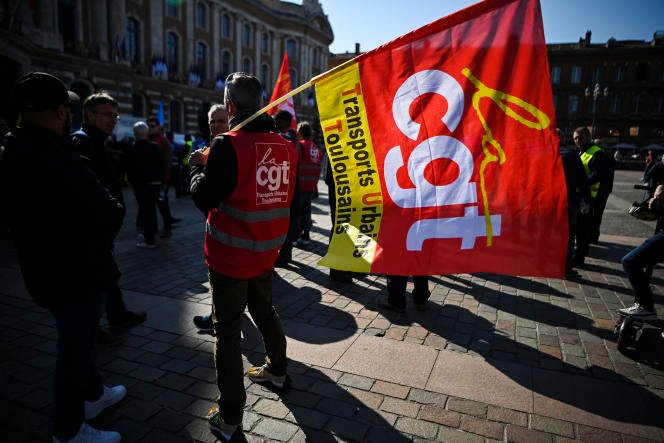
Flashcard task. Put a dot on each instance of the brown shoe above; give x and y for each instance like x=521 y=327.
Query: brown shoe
x=107 y=339
x=385 y=303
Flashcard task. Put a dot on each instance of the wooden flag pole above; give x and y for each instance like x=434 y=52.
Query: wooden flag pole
x=295 y=91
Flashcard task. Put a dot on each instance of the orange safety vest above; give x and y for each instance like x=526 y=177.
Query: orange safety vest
x=244 y=233
x=309 y=171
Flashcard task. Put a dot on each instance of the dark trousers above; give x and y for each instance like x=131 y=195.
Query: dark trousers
x=396 y=290
x=572 y=217
x=649 y=253
x=76 y=377
x=597 y=211
x=230 y=296
x=582 y=236
x=305 y=212
x=147 y=197
x=164 y=208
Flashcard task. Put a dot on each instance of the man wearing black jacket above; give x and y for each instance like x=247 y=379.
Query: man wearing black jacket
x=63 y=224
x=100 y=115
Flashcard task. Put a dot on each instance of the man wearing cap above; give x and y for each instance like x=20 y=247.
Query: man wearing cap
x=63 y=223
x=100 y=115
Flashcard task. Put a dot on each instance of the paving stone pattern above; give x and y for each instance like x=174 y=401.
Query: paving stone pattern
x=493 y=358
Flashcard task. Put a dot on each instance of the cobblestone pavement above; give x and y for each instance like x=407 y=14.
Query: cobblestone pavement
x=493 y=358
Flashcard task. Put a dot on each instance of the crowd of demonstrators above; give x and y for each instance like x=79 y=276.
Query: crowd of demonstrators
x=100 y=115
x=578 y=198
x=218 y=122
x=225 y=185
x=68 y=268
x=156 y=135
x=146 y=176
x=636 y=262
x=597 y=165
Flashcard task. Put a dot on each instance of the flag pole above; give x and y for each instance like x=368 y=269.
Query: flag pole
x=295 y=91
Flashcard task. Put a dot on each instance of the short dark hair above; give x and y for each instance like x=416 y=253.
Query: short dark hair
x=99 y=98
x=304 y=128
x=583 y=130
x=284 y=115
x=244 y=91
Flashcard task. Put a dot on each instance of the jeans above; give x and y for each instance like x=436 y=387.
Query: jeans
x=165 y=209
x=76 y=377
x=230 y=296
x=396 y=290
x=305 y=213
x=649 y=253
x=147 y=197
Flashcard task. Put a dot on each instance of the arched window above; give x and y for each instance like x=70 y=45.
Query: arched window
x=175 y=114
x=293 y=78
x=173 y=52
x=226 y=64
x=137 y=105
x=201 y=59
x=226 y=26
x=201 y=15
x=246 y=65
x=265 y=42
x=291 y=48
x=133 y=35
x=246 y=35
x=265 y=76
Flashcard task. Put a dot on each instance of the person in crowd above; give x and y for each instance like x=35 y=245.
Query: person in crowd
x=396 y=292
x=649 y=253
x=67 y=266
x=578 y=198
x=654 y=173
x=146 y=175
x=187 y=149
x=218 y=121
x=176 y=161
x=598 y=170
x=100 y=115
x=244 y=184
x=156 y=135
x=284 y=122
x=308 y=175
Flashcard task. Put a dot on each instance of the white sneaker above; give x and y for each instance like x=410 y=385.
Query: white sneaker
x=638 y=311
x=109 y=397
x=88 y=434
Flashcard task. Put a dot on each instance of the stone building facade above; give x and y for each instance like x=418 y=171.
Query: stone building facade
x=616 y=87
x=172 y=54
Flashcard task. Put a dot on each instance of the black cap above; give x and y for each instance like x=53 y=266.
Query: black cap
x=39 y=91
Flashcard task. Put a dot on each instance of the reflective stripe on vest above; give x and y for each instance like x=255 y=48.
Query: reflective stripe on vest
x=253 y=217
x=586 y=156
x=244 y=243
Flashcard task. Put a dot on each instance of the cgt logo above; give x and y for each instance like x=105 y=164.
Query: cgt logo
x=272 y=173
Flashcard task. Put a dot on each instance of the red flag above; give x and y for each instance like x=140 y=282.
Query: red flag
x=444 y=152
x=283 y=87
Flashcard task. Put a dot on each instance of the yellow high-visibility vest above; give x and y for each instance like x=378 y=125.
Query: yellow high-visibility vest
x=586 y=156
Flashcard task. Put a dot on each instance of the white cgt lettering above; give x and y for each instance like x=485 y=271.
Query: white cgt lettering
x=425 y=194
x=272 y=176
x=460 y=191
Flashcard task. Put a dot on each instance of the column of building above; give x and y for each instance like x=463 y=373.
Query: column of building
x=99 y=29
x=117 y=26
x=216 y=38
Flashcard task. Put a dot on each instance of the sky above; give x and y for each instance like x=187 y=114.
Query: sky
x=374 y=22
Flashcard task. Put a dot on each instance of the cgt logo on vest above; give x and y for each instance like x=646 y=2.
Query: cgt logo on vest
x=272 y=171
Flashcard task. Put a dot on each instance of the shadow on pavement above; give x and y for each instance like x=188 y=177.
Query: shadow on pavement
x=563 y=384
